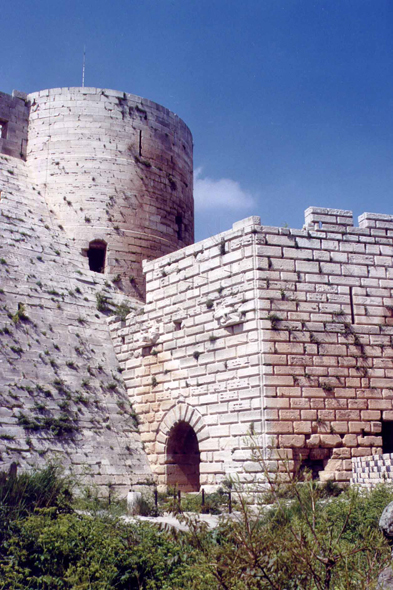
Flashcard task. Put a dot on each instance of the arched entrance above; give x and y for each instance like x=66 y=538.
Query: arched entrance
x=183 y=458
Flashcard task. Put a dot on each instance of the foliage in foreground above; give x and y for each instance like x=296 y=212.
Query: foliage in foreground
x=304 y=541
x=45 y=544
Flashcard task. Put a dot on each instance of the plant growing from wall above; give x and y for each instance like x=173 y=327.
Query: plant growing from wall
x=327 y=387
x=122 y=311
x=58 y=426
x=274 y=320
x=20 y=314
x=172 y=182
x=102 y=302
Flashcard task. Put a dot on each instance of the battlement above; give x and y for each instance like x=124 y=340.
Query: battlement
x=339 y=220
x=328 y=219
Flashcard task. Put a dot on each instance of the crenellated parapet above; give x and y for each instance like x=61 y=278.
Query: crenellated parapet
x=284 y=335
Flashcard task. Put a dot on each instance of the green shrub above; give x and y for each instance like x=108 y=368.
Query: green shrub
x=20 y=315
x=103 y=303
x=23 y=494
x=304 y=542
x=308 y=540
x=122 y=311
x=77 y=552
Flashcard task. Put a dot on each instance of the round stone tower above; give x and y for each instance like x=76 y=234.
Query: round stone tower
x=117 y=172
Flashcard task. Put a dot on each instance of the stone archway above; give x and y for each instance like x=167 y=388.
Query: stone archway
x=183 y=458
x=181 y=423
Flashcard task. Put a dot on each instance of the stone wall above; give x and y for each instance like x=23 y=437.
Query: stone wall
x=281 y=332
x=115 y=167
x=328 y=338
x=104 y=166
x=61 y=391
x=372 y=470
x=194 y=354
x=14 y=115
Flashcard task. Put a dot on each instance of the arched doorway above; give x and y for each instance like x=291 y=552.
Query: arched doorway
x=183 y=458
x=96 y=255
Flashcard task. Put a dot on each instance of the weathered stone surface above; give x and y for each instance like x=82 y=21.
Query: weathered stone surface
x=385 y=579
x=386 y=521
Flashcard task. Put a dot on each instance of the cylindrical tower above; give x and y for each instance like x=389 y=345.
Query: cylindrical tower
x=116 y=170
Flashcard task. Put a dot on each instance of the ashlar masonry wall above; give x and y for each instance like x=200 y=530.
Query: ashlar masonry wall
x=61 y=393
x=372 y=470
x=282 y=332
x=115 y=167
x=14 y=118
x=194 y=354
x=328 y=338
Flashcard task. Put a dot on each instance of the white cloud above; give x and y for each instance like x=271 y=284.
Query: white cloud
x=223 y=193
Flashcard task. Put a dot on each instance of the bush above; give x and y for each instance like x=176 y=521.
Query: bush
x=74 y=551
x=23 y=494
x=29 y=491
x=306 y=540
x=122 y=311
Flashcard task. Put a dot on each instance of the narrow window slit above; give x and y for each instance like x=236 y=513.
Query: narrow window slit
x=351 y=304
x=140 y=143
x=179 y=223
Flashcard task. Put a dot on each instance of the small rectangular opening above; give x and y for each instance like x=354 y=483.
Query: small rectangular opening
x=387 y=437
x=3 y=128
x=96 y=255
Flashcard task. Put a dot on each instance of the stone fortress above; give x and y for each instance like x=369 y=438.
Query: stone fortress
x=140 y=358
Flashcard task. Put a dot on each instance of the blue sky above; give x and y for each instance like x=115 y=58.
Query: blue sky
x=290 y=102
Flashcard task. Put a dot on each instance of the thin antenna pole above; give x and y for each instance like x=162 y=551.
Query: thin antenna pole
x=84 y=66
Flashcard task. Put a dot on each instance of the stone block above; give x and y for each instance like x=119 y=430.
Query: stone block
x=296 y=441
x=331 y=440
